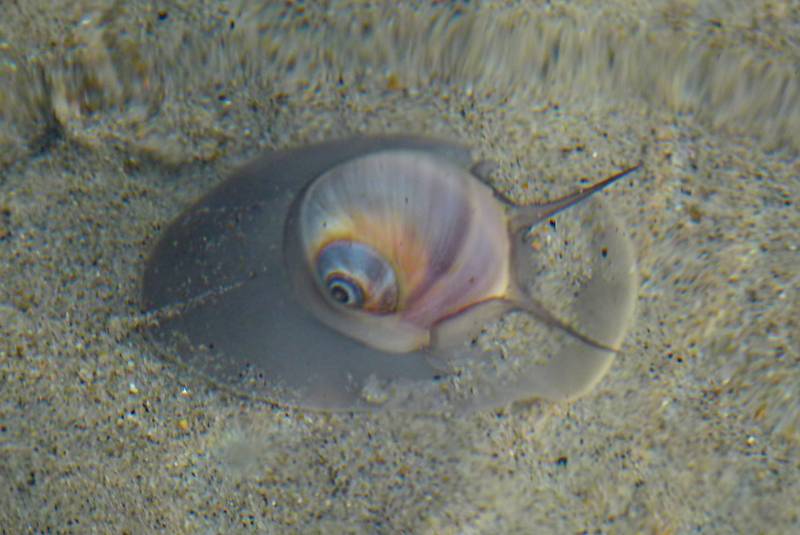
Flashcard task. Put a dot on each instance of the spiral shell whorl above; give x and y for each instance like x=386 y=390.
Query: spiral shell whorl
x=439 y=230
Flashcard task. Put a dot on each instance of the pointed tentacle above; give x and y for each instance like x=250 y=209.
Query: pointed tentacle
x=537 y=310
x=524 y=217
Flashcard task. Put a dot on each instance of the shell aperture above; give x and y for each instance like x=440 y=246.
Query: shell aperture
x=356 y=274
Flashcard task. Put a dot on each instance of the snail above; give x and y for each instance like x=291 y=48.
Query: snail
x=357 y=274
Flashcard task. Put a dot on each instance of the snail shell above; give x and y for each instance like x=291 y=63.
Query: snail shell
x=402 y=239
x=349 y=274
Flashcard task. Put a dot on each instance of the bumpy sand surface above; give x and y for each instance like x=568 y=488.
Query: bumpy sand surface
x=112 y=120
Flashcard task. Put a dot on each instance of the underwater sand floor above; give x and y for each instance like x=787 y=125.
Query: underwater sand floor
x=108 y=134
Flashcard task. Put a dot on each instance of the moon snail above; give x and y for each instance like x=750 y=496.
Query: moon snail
x=360 y=274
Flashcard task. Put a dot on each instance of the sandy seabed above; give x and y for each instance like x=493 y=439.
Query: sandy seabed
x=114 y=119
